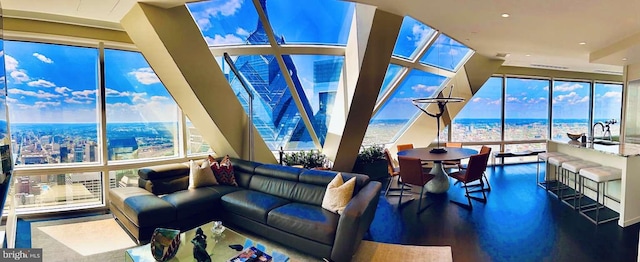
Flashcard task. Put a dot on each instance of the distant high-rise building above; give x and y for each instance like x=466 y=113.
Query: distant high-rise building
x=90 y=151
x=64 y=154
x=277 y=114
x=78 y=153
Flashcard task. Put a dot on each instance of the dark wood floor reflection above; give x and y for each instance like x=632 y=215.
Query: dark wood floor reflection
x=519 y=222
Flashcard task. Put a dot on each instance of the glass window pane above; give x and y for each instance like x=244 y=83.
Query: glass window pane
x=397 y=112
x=526 y=109
x=195 y=143
x=52 y=102
x=275 y=114
x=608 y=106
x=480 y=119
x=123 y=178
x=393 y=72
x=412 y=37
x=47 y=192
x=521 y=148
x=570 y=113
x=446 y=53
x=325 y=22
x=228 y=22
x=142 y=118
x=318 y=76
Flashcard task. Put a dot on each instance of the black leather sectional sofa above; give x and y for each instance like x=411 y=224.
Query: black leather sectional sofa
x=277 y=202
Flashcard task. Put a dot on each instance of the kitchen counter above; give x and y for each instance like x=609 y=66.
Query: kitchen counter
x=626 y=157
x=620 y=149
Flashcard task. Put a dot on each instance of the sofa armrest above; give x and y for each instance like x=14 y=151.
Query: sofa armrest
x=355 y=221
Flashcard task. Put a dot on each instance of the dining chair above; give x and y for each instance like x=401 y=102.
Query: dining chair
x=452 y=163
x=402 y=147
x=483 y=150
x=393 y=172
x=473 y=172
x=413 y=173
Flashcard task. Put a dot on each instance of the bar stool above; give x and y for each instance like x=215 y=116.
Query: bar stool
x=557 y=161
x=544 y=157
x=599 y=175
x=574 y=168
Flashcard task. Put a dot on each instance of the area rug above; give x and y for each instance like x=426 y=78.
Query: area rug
x=100 y=238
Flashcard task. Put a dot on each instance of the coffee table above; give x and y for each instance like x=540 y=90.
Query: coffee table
x=217 y=246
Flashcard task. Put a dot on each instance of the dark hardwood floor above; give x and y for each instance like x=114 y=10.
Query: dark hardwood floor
x=519 y=222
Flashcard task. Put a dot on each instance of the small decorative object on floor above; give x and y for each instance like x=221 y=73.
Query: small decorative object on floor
x=217 y=228
x=200 y=247
x=164 y=243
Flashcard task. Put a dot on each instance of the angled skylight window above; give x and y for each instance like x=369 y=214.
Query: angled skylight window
x=398 y=110
x=412 y=37
x=275 y=113
x=318 y=76
x=324 y=22
x=446 y=53
x=228 y=22
x=393 y=72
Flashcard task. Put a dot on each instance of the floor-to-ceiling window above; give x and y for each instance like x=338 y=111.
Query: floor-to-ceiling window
x=570 y=108
x=607 y=107
x=481 y=117
x=57 y=128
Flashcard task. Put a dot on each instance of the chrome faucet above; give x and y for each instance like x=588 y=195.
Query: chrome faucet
x=593 y=132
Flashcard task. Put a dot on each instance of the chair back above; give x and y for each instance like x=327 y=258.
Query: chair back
x=411 y=171
x=485 y=150
x=402 y=147
x=387 y=155
x=453 y=144
x=475 y=168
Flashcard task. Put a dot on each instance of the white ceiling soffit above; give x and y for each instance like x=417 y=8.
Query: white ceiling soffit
x=542 y=32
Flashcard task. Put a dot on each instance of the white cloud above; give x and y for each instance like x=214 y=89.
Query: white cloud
x=152 y=111
x=43 y=58
x=420 y=34
x=145 y=76
x=204 y=23
x=139 y=97
x=476 y=100
x=159 y=98
x=424 y=88
x=84 y=94
x=571 y=98
x=241 y=32
x=40 y=94
x=62 y=90
x=226 y=9
x=568 y=87
x=228 y=39
x=512 y=99
x=10 y=63
x=612 y=94
x=19 y=76
x=41 y=83
x=72 y=101
x=546 y=88
x=38 y=105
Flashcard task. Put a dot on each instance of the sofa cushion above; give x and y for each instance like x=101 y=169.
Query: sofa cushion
x=141 y=207
x=322 y=178
x=163 y=171
x=243 y=170
x=272 y=186
x=251 y=204
x=305 y=220
x=191 y=202
x=223 y=171
x=338 y=194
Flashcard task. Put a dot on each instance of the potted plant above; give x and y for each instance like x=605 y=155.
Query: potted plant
x=306 y=159
x=371 y=161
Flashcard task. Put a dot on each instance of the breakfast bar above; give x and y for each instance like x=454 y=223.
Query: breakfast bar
x=624 y=156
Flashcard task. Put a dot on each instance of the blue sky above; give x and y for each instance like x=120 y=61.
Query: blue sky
x=56 y=83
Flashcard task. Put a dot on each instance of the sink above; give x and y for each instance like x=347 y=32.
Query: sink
x=606 y=142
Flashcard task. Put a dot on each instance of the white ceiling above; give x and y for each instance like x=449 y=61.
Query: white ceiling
x=541 y=33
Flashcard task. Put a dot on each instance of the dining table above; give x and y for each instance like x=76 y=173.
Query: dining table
x=440 y=183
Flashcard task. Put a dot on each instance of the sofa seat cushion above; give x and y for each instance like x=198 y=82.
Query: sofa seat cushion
x=141 y=207
x=192 y=202
x=309 y=221
x=225 y=189
x=251 y=204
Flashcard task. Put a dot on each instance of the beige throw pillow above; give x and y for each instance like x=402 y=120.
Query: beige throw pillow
x=201 y=175
x=338 y=194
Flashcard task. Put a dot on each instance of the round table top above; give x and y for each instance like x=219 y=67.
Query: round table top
x=453 y=153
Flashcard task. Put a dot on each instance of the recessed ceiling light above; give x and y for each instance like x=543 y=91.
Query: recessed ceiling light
x=527 y=55
x=582 y=43
x=624 y=59
x=505 y=15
